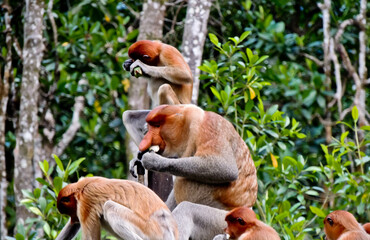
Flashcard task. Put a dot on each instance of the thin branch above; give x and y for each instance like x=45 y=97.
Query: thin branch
x=75 y=124
x=348 y=65
x=341 y=29
x=338 y=79
x=314 y=59
x=17 y=47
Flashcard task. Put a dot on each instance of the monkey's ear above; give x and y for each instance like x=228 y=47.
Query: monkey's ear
x=134 y=121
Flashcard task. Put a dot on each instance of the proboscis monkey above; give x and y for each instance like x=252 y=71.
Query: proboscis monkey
x=242 y=224
x=211 y=162
x=170 y=80
x=127 y=209
x=342 y=225
x=367 y=227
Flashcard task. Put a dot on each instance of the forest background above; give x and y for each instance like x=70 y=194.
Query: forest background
x=291 y=75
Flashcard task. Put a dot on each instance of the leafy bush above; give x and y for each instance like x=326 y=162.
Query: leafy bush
x=42 y=201
x=293 y=197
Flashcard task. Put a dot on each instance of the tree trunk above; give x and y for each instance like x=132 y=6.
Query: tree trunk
x=195 y=33
x=4 y=96
x=28 y=118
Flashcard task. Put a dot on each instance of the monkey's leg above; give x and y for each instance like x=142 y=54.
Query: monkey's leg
x=166 y=95
x=127 y=225
x=198 y=221
x=135 y=124
x=122 y=221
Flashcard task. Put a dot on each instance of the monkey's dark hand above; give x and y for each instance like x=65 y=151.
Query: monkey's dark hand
x=126 y=65
x=132 y=165
x=155 y=162
x=138 y=68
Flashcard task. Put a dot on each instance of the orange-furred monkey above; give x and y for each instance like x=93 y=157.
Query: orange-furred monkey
x=367 y=227
x=170 y=80
x=127 y=209
x=212 y=164
x=242 y=224
x=342 y=225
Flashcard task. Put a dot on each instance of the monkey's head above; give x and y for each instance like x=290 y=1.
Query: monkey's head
x=239 y=220
x=367 y=227
x=146 y=51
x=67 y=202
x=338 y=222
x=169 y=128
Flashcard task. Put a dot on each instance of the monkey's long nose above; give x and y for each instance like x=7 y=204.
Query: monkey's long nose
x=146 y=142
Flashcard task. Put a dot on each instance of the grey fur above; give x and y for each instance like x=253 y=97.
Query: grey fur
x=69 y=231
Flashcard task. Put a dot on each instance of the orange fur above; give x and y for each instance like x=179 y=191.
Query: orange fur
x=242 y=224
x=172 y=80
x=184 y=131
x=84 y=201
x=367 y=227
x=342 y=225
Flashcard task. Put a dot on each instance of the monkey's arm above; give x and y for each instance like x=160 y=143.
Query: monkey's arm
x=135 y=124
x=174 y=74
x=69 y=231
x=208 y=169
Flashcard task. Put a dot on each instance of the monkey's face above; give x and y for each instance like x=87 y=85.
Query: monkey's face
x=166 y=129
x=331 y=228
x=145 y=51
x=67 y=203
x=236 y=226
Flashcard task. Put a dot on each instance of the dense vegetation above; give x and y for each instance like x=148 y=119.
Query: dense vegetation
x=255 y=73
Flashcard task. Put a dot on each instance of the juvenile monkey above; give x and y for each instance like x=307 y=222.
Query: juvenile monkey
x=242 y=224
x=169 y=77
x=211 y=162
x=342 y=225
x=127 y=209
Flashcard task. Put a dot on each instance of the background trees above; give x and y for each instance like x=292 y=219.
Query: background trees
x=286 y=106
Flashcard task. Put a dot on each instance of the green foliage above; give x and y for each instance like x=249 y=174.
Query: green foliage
x=294 y=196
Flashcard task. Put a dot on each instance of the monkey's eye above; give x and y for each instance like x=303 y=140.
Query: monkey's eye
x=146 y=56
x=241 y=221
x=65 y=200
x=331 y=222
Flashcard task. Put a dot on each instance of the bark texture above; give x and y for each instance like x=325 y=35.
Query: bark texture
x=195 y=33
x=28 y=119
x=4 y=97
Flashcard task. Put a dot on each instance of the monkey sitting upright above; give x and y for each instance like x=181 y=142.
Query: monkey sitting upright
x=213 y=166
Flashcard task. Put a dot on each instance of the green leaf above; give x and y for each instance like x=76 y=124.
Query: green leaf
x=73 y=167
x=59 y=163
x=261 y=59
x=317 y=211
x=58 y=184
x=244 y=35
x=47 y=228
x=366 y=128
x=36 y=211
x=343 y=136
x=213 y=39
x=355 y=113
